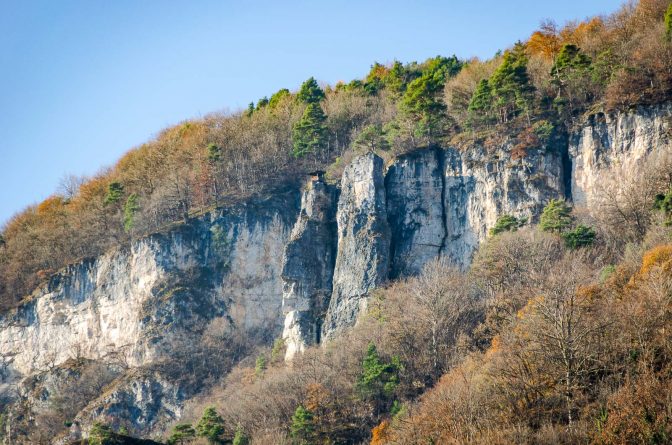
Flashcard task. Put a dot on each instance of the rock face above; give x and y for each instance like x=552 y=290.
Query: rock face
x=139 y=298
x=136 y=303
x=362 y=258
x=612 y=147
x=259 y=264
x=481 y=186
x=414 y=186
x=308 y=267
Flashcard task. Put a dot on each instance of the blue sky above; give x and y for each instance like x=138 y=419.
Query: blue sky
x=82 y=82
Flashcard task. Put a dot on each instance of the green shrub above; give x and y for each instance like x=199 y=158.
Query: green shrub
x=581 y=236
x=507 y=223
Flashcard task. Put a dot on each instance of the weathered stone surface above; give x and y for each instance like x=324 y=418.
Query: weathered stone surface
x=363 y=252
x=482 y=186
x=415 y=209
x=163 y=286
x=612 y=147
x=258 y=264
x=308 y=267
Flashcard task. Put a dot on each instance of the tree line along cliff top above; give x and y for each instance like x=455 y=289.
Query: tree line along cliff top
x=529 y=94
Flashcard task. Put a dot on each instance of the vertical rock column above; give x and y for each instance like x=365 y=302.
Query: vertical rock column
x=308 y=266
x=415 y=208
x=362 y=261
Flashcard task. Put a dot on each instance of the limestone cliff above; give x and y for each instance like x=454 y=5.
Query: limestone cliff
x=362 y=257
x=304 y=272
x=138 y=303
x=308 y=266
x=612 y=147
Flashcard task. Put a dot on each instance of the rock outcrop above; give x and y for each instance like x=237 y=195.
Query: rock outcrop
x=303 y=272
x=308 y=266
x=610 y=148
x=416 y=210
x=362 y=258
x=139 y=304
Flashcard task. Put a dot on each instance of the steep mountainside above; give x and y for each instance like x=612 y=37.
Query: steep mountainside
x=309 y=267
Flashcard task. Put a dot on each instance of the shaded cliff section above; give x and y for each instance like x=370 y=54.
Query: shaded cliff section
x=440 y=202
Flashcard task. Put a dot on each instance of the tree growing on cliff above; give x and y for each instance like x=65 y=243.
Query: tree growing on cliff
x=480 y=105
x=372 y=138
x=422 y=103
x=512 y=91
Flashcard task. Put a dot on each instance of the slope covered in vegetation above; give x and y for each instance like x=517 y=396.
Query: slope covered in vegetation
x=552 y=336
x=530 y=93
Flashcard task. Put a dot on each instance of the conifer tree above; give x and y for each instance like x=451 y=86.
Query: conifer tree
x=510 y=84
x=130 y=209
x=182 y=433
x=556 y=216
x=310 y=132
x=277 y=97
x=310 y=92
x=240 y=438
x=302 y=427
x=115 y=190
x=211 y=426
x=378 y=379
x=480 y=106
x=423 y=104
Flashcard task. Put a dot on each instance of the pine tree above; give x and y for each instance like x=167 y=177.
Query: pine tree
x=556 y=216
x=211 y=426
x=115 y=190
x=581 y=236
x=278 y=97
x=480 y=105
x=240 y=438
x=506 y=223
x=310 y=92
x=372 y=138
x=310 y=132
x=260 y=365
x=510 y=84
x=378 y=379
x=130 y=209
x=181 y=433
x=100 y=434
x=423 y=104
x=302 y=427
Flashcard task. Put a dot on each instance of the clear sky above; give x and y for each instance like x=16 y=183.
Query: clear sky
x=82 y=82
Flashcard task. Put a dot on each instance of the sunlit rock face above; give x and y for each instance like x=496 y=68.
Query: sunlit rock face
x=363 y=247
x=611 y=148
x=141 y=298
